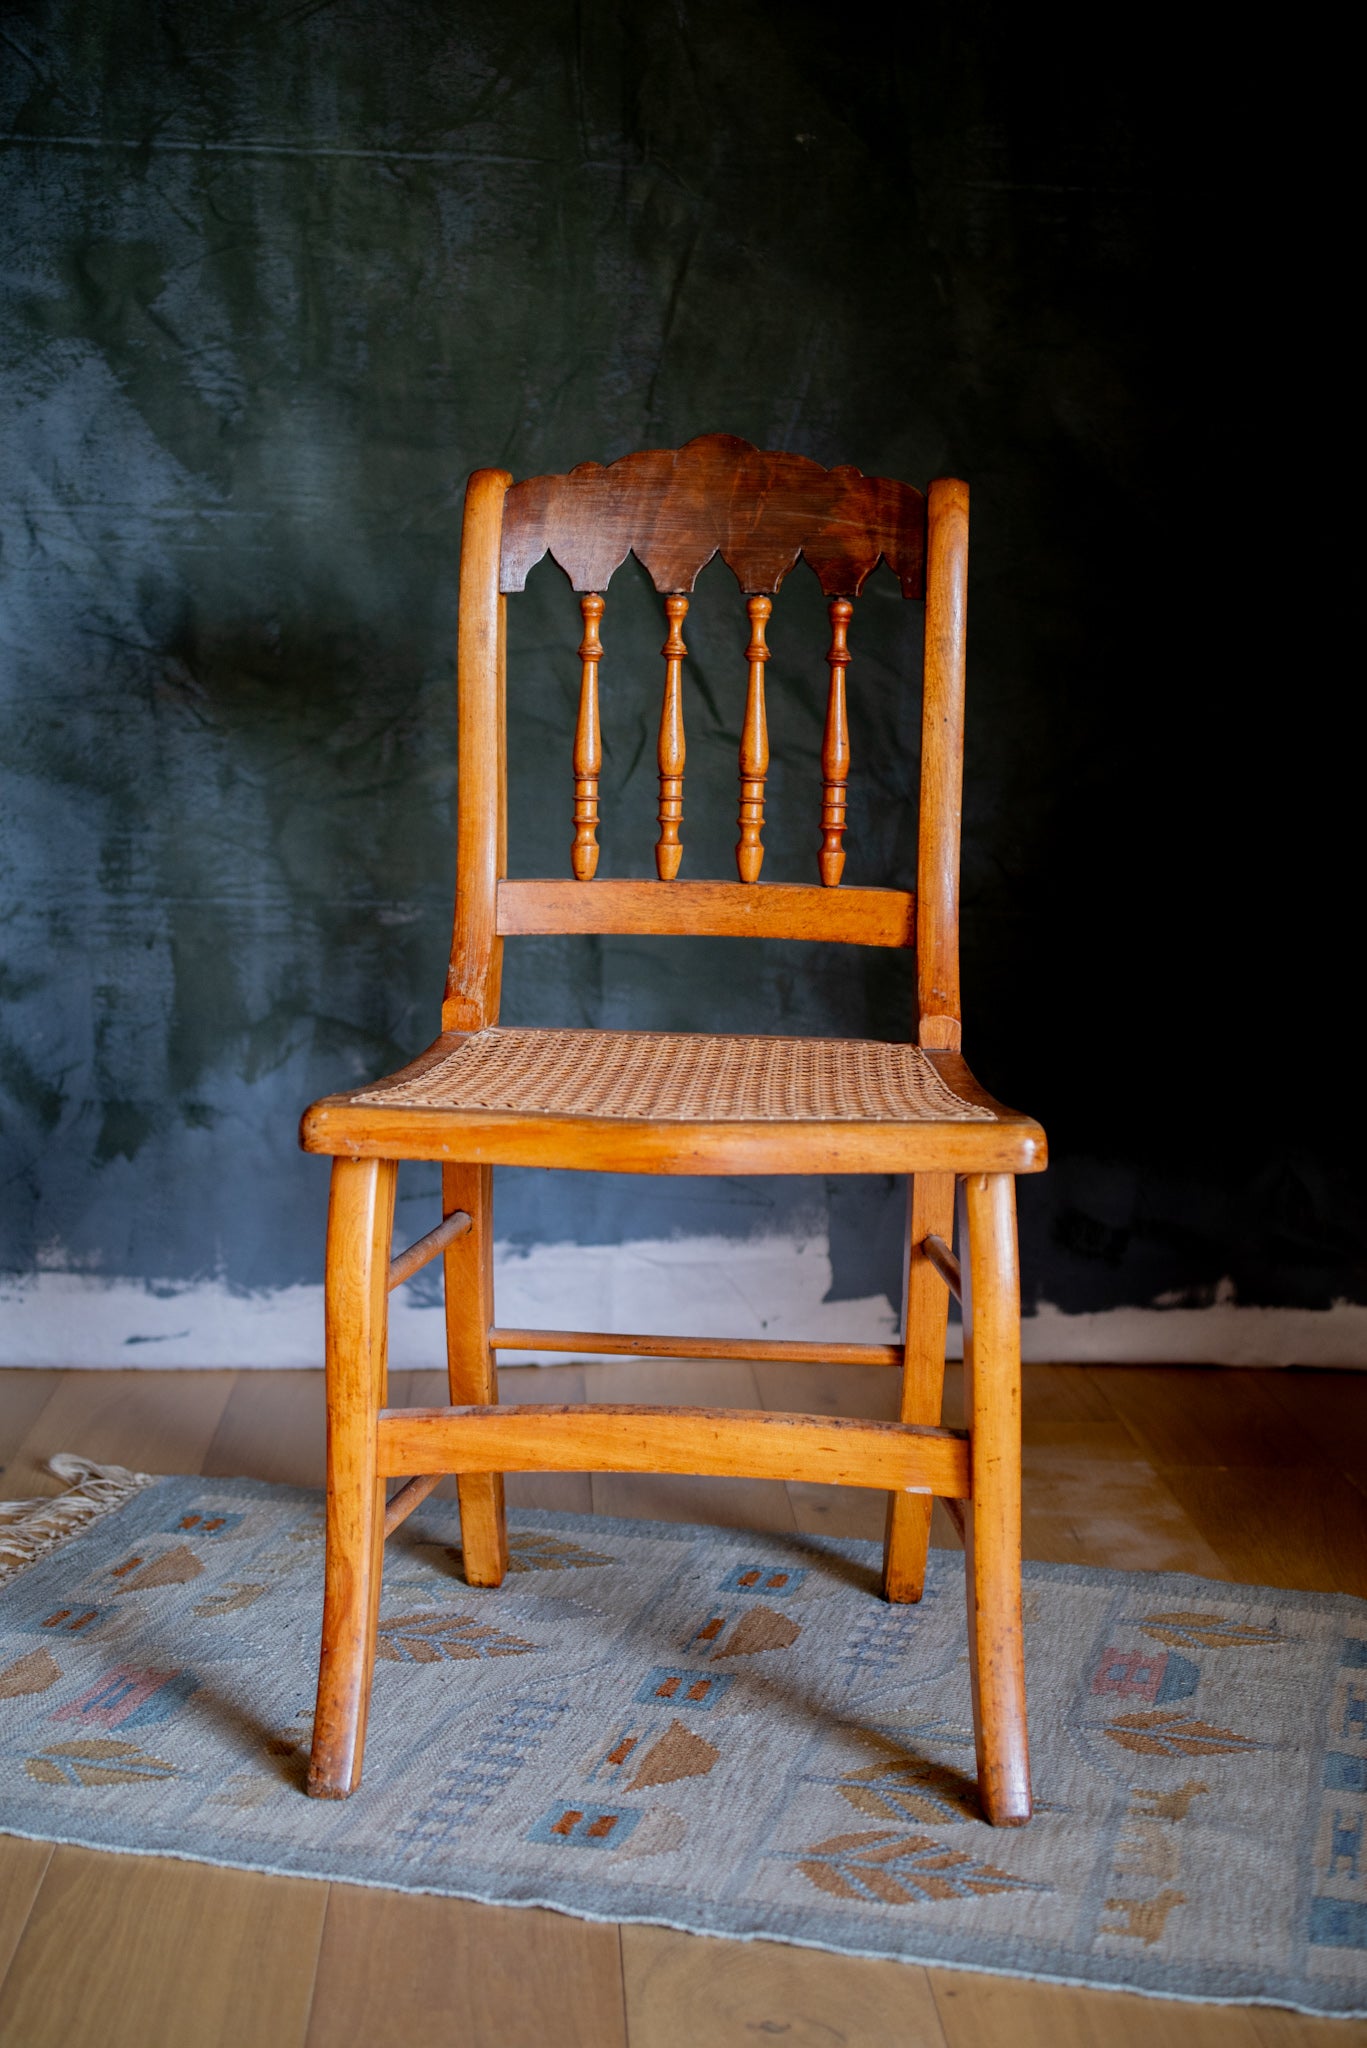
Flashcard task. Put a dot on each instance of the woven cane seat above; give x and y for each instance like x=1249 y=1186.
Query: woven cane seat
x=679 y=1077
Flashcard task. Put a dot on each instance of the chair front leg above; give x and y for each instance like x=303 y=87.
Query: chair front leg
x=925 y=1320
x=473 y=1379
x=360 y=1226
x=992 y=1547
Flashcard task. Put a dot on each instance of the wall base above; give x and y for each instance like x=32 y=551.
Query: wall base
x=765 y=1287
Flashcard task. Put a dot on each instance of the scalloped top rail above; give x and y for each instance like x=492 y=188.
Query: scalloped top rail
x=675 y=508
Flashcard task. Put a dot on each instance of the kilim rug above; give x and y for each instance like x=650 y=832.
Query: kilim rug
x=717 y=1731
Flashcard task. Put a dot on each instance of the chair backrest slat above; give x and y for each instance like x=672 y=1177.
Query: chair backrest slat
x=675 y=508
x=726 y=910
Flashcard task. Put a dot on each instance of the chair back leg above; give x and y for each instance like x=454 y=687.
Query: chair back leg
x=471 y=1370
x=360 y=1226
x=992 y=1545
x=925 y=1318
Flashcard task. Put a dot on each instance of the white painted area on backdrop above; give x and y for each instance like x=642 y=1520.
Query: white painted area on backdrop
x=709 y=1287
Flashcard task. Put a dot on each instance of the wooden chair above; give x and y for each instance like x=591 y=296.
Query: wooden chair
x=640 y=1102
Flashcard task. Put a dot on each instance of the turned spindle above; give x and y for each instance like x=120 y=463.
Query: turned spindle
x=754 y=747
x=835 y=748
x=668 y=850
x=588 y=744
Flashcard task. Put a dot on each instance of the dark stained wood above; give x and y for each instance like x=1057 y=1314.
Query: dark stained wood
x=835 y=749
x=754 y=748
x=670 y=749
x=724 y=910
x=676 y=508
x=588 y=744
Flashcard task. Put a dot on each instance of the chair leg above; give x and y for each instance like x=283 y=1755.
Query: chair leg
x=470 y=1363
x=360 y=1225
x=925 y=1319
x=992 y=1548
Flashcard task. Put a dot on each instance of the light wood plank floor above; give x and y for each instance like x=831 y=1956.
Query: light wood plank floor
x=1242 y=1475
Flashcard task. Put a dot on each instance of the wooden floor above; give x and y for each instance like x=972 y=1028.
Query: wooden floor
x=1245 y=1475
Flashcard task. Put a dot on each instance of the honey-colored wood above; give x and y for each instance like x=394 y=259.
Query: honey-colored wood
x=723 y=910
x=755 y=1444
x=611 y=1343
x=992 y=1537
x=427 y=1248
x=588 y=744
x=941 y=1258
x=675 y=508
x=754 y=748
x=835 y=749
x=411 y=1495
x=360 y=1224
x=472 y=1375
x=338 y=1125
x=670 y=749
x=942 y=766
x=475 y=975
x=925 y=1318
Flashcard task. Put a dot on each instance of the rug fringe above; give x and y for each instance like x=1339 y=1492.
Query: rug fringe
x=29 y=1529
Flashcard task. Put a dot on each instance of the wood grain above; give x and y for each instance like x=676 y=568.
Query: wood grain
x=23 y=1865
x=674 y=509
x=719 y=910
x=683 y=1990
x=835 y=749
x=371 y=1130
x=754 y=747
x=148 y=1952
x=670 y=748
x=471 y=1372
x=605 y=1343
x=360 y=1225
x=925 y=1322
x=751 y=1444
x=397 y=1970
x=475 y=973
x=942 y=765
x=992 y=1543
x=588 y=744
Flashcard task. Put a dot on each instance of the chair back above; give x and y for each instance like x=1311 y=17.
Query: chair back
x=675 y=509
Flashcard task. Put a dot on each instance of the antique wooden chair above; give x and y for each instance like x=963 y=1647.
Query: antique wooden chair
x=674 y=1103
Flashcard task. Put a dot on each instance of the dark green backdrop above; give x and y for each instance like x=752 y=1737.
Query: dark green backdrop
x=279 y=277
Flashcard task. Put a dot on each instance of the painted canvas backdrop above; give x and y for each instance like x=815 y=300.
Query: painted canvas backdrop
x=275 y=281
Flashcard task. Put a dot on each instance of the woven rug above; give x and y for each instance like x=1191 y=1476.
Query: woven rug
x=724 y=1732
